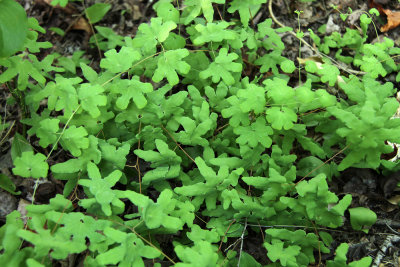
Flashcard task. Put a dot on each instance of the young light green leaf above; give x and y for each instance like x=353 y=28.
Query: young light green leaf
x=166 y=11
x=361 y=217
x=281 y=117
x=222 y=68
x=286 y=255
x=31 y=165
x=61 y=94
x=195 y=7
x=288 y=66
x=169 y=63
x=91 y=97
x=235 y=113
x=132 y=89
x=245 y=8
x=121 y=61
x=253 y=99
x=214 y=32
x=148 y=36
x=47 y=132
x=74 y=139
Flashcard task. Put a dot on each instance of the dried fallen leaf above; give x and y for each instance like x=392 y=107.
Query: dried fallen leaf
x=395 y=200
x=82 y=24
x=22 y=209
x=393 y=20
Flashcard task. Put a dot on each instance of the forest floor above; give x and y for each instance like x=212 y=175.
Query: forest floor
x=368 y=188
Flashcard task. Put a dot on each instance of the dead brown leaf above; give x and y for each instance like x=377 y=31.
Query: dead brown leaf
x=395 y=200
x=82 y=24
x=393 y=20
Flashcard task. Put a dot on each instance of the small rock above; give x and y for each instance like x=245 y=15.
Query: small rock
x=8 y=203
x=331 y=26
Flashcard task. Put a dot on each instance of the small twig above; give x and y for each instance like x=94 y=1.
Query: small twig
x=387 y=222
x=322 y=164
x=350 y=71
x=137 y=160
x=387 y=244
x=220 y=245
x=241 y=242
x=162 y=126
x=8 y=133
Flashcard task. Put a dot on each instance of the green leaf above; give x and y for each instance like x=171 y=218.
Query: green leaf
x=252 y=99
x=273 y=42
x=203 y=253
x=61 y=94
x=313 y=166
x=91 y=97
x=235 y=113
x=13 y=27
x=257 y=133
x=214 y=32
x=197 y=234
x=24 y=69
x=31 y=166
x=245 y=8
x=127 y=251
x=75 y=165
x=148 y=36
x=166 y=162
x=361 y=217
x=195 y=7
x=277 y=251
x=288 y=66
x=248 y=260
x=48 y=132
x=88 y=73
x=106 y=38
x=281 y=117
x=129 y=90
x=329 y=74
x=57 y=31
x=19 y=145
x=77 y=227
x=114 y=154
x=101 y=189
x=169 y=63
x=62 y=3
x=74 y=139
x=121 y=61
x=7 y=184
x=166 y=11
x=96 y=12
x=341 y=258
x=270 y=61
x=222 y=68
x=280 y=92
x=44 y=241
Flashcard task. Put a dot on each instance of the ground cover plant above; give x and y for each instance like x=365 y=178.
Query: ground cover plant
x=190 y=135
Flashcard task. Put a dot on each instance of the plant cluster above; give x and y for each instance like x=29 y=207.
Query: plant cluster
x=199 y=130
